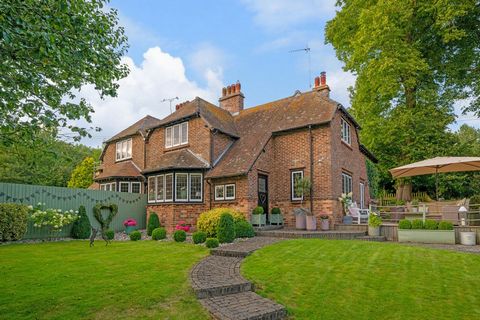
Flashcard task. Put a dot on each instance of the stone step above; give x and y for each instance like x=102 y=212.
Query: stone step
x=243 y=247
x=243 y=306
x=373 y=238
x=217 y=276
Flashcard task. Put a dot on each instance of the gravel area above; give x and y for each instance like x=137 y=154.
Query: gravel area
x=451 y=247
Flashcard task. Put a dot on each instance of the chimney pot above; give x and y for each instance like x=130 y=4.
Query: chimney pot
x=224 y=91
x=323 y=78
x=229 y=89
x=232 y=98
x=233 y=88
x=238 y=86
x=317 y=82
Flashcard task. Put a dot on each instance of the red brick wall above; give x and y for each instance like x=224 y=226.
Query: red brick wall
x=349 y=159
x=242 y=199
x=137 y=152
x=220 y=143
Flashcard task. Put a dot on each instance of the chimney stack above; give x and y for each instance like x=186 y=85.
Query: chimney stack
x=180 y=105
x=321 y=84
x=232 y=98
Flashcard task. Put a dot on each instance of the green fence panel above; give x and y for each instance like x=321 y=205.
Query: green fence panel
x=130 y=205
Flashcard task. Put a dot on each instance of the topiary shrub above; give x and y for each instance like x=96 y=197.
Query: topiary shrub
x=226 y=229
x=81 y=226
x=404 y=224
x=243 y=229
x=208 y=221
x=110 y=234
x=135 y=235
x=13 y=221
x=417 y=224
x=258 y=210
x=445 y=225
x=431 y=225
x=212 y=243
x=180 y=236
x=159 y=234
x=199 y=237
x=275 y=210
x=153 y=223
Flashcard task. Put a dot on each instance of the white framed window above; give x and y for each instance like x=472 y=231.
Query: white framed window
x=295 y=177
x=136 y=187
x=124 y=186
x=168 y=137
x=346 y=183
x=108 y=186
x=229 y=191
x=169 y=187
x=160 y=188
x=181 y=186
x=362 y=195
x=176 y=135
x=196 y=186
x=220 y=192
x=123 y=150
x=152 y=188
x=346 y=137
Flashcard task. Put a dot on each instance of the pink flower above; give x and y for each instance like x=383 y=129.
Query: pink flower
x=130 y=223
x=182 y=226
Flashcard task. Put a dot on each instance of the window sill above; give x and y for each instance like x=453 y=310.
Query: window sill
x=167 y=149
x=347 y=145
x=175 y=203
x=122 y=160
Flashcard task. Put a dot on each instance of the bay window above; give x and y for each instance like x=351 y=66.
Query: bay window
x=177 y=187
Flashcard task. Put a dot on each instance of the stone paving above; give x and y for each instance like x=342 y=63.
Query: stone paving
x=217 y=282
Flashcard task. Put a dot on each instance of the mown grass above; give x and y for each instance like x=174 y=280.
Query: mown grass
x=321 y=279
x=126 y=280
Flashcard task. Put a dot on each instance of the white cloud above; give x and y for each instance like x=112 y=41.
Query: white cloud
x=159 y=76
x=275 y=15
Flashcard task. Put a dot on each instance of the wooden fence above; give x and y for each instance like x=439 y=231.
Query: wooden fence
x=130 y=205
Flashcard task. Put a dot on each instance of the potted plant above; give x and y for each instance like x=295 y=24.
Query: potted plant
x=374 y=223
x=324 y=222
x=304 y=218
x=428 y=232
x=130 y=225
x=276 y=216
x=346 y=201
x=259 y=218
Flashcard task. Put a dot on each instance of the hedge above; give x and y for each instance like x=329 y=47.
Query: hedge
x=208 y=221
x=13 y=221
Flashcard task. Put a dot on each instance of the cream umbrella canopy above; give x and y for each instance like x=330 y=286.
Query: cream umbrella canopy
x=437 y=165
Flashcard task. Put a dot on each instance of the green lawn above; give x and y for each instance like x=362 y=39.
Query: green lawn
x=325 y=279
x=126 y=280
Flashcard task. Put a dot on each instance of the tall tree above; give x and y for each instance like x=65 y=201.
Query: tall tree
x=413 y=59
x=49 y=49
x=43 y=161
x=82 y=175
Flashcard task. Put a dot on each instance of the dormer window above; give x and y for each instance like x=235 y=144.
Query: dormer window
x=176 y=135
x=346 y=137
x=124 y=149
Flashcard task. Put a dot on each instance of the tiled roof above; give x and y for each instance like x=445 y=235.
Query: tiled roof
x=178 y=159
x=120 y=169
x=140 y=126
x=215 y=117
x=256 y=125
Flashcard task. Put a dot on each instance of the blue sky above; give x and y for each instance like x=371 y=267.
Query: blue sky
x=194 y=48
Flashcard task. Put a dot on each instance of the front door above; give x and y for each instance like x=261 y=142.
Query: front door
x=263 y=193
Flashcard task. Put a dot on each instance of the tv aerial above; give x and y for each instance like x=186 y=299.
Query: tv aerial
x=307 y=51
x=169 y=100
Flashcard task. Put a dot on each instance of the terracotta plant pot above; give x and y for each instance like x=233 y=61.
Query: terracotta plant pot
x=325 y=224
x=311 y=223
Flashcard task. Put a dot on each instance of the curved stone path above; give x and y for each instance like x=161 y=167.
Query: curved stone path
x=218 y=284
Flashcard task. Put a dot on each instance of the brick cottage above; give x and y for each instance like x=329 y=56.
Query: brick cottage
x=202 y=156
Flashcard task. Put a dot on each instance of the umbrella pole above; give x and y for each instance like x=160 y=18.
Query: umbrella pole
x=436 y=182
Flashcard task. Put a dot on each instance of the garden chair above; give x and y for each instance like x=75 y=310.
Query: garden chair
x=358 y=215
